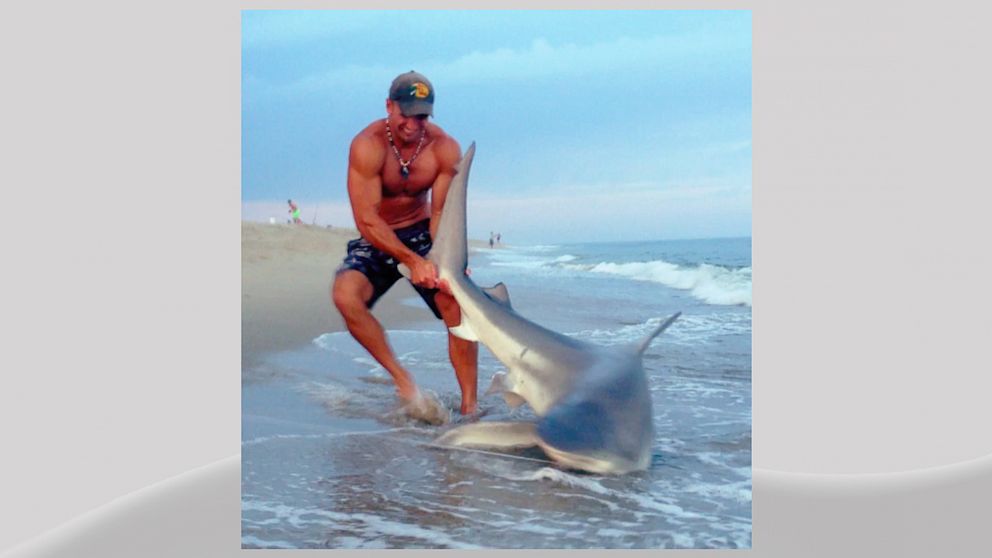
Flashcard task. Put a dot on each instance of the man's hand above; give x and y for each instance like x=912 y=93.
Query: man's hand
x=444 y=287
x=423 y=273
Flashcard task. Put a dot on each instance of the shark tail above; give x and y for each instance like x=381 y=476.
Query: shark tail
x=450 y=246
x=450 y=250
x=643 y=345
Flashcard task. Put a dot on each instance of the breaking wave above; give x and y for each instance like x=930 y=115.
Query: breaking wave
x=710 y=283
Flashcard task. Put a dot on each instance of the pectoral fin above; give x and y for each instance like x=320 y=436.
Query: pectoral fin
x=498 y=385
x=501 y=386
x=498 y=435
x=513 y=399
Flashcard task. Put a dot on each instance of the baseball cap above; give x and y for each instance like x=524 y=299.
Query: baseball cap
x=414 y=94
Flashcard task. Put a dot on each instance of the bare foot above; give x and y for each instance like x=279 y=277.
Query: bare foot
x=474 y=416
x=407 y=393
x=426 y=407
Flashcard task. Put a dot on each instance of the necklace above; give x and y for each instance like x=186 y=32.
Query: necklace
x=405 y=165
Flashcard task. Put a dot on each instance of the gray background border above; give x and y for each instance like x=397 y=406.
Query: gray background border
x=121 y=125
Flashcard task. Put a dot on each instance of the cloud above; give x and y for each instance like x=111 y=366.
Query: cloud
x=600 y=191
x=277 y=28
x=688 y=212
x=540 y=59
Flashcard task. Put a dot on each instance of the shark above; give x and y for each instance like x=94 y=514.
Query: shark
x=592 y=401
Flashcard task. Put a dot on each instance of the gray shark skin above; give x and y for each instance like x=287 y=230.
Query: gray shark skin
x=593 y=402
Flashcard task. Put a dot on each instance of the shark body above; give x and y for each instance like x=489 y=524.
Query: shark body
x=593 y=402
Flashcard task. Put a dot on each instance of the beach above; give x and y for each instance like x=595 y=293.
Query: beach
x=286 y=275
x=330 y=460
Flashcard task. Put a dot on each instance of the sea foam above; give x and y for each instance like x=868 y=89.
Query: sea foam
x=709 y=283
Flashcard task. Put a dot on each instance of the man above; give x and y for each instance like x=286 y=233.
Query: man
x=392 y=166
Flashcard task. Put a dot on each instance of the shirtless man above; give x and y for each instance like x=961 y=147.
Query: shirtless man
x=392 y=166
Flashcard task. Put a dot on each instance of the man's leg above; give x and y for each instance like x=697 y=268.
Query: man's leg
x=350 y=293
x=464 y=354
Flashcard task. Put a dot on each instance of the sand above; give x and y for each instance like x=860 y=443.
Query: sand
x=286 y=275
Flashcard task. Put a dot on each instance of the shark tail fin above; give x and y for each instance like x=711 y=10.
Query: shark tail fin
x=643 y=345
x=450 y=249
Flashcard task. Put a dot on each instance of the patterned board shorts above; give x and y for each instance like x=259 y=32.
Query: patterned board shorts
x=381 y=268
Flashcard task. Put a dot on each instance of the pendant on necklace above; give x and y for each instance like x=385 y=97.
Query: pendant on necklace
x=404 y=167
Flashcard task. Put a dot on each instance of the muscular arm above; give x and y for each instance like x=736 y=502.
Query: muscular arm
x=365 y=192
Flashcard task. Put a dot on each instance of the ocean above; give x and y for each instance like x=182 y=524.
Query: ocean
x=329 y=462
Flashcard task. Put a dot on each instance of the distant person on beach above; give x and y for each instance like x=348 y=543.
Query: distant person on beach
x=499 y=238
x=393 y=165
x=294 y=211
x=491 y=239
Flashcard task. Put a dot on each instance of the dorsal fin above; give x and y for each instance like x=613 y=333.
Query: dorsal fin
x=664 y=325
x=498 y=293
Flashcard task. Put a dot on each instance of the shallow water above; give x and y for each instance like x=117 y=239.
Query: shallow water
x=329 y=461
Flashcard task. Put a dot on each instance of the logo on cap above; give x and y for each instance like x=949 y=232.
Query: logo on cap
x=419 y=90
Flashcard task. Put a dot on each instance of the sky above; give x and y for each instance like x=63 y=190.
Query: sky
x=589 y=125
